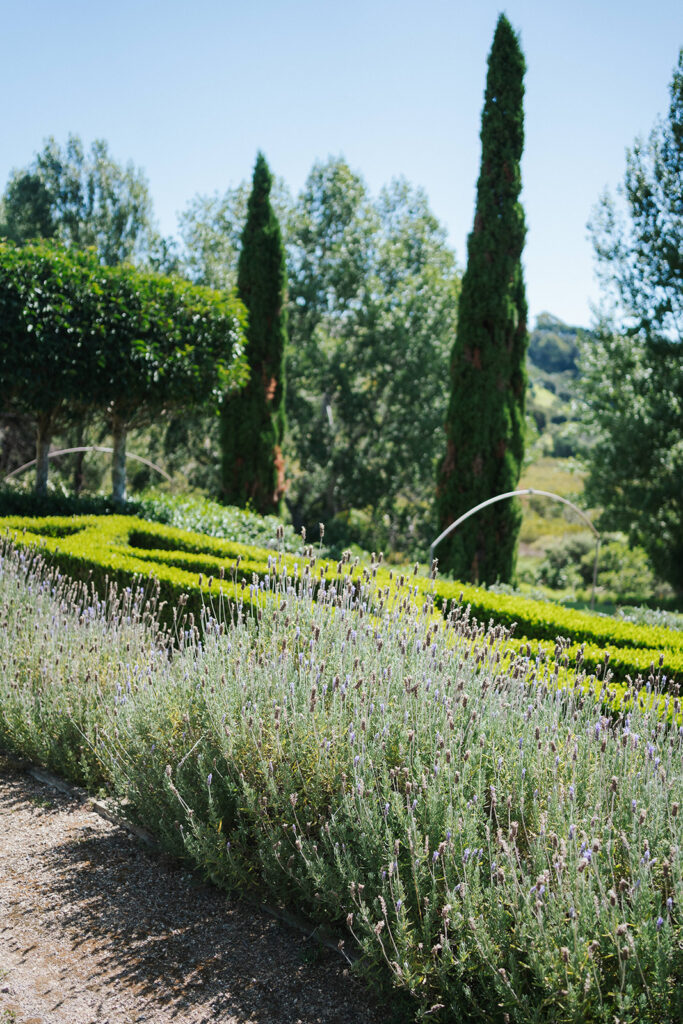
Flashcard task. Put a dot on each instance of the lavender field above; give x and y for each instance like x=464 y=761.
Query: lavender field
x=497 y=847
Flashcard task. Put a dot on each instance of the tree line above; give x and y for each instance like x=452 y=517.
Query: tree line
x=370 y=307
x=373 y=356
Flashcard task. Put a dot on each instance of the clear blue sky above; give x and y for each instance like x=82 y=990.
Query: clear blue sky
x=189 y=91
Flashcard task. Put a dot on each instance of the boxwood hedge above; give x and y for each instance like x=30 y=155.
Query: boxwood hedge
x=119 y=548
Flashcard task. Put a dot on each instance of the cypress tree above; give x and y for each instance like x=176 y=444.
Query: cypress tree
x=253 y=420
x=485 y=420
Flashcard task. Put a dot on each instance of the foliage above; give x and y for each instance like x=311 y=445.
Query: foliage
x=632 y=384
x=373 y=290
x=51 y=337
x=253 y=419
x=119 y=547
x=622 y=570
x=553 y=345
x=201 y=515
x=18 y=501
x=117 y=340
x=485 y=423
x=521 y=858
x=82 y=200
x=211 y=229
x=552 y=365
x=645 y=616
x=190 y=512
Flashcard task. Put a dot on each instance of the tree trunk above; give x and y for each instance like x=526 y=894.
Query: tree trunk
x=79 y=459
x=43 y=438
x=118 y=460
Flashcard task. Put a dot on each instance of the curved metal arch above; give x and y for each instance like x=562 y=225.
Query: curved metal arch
x=89 y=448
x=522 y=493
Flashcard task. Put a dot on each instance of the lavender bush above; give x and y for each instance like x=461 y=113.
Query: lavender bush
x=485 y=834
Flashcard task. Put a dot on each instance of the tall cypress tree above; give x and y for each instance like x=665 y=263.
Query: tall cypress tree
x=485 y=421
x=253 y=420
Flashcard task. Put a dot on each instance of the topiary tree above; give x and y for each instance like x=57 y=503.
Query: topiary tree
x=171 y=345
x=125 y=345
x=485 y=421
x=253 y=421
x=51 y=335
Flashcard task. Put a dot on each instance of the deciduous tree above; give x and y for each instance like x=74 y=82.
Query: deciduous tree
x=632 y=382
x=82 y=200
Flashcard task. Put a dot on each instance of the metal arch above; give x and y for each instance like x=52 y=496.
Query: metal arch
x=89 y=448
x=522 y=493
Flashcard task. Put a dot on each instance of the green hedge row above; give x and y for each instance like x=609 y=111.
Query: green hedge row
x=117 y=548
x=539 y=620
x=99 y=548
x=544 y=620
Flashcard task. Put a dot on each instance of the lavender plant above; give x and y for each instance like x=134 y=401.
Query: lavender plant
x=486 y=834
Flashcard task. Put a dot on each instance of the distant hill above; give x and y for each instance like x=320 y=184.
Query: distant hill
x=554 y=345
x=553 y=369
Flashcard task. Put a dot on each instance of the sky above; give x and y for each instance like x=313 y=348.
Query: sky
x=190 y=91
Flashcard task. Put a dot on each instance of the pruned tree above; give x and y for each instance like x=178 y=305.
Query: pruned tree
x=50 y=336
x=117 y=342
x=171 y=345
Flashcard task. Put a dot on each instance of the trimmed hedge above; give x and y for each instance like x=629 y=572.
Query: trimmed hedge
x=118 y=548
x=544 y=620
x=98 y=548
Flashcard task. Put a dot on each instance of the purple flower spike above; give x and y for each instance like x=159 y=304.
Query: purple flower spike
x=660 y=922
x=209 y=777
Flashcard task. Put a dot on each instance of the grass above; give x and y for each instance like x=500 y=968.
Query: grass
x=544 y=520
x=493 y=843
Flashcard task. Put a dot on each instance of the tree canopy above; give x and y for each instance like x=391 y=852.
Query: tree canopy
x=373 y=292
x=76 y=336
x=81 y=199
x=632 y=383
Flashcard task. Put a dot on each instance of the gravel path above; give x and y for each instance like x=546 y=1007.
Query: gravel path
x=96 y=929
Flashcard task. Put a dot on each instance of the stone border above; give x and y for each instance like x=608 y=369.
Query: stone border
x=319 y=933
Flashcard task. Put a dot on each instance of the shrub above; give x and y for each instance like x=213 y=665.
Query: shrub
x=197 y=567
x=623 y=571
x=494 y=847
